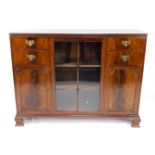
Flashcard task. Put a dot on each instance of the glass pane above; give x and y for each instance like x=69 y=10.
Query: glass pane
x=90 y=53
x=88 y=100
x=65 y=52
x=89 y=78
x=66 y=89
x=89 y=85
x=66 y=100
x=66 y=78
x=77 y=87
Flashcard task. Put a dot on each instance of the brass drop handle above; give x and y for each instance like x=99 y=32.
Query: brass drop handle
x=124 y=58
x=30 y=43
x=31 y=57
x=125 y=43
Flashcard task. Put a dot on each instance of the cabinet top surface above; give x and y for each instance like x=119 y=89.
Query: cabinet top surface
x=80 y=31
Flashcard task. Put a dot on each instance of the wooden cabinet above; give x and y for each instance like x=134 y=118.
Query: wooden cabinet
x=32 y=87
x=122 y=90
x=78 y=74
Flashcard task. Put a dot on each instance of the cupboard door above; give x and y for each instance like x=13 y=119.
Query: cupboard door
x=32 y=90
x=77 y=76
x=122 y=90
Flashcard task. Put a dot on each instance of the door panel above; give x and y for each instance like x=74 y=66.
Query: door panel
x=122 y=90
x=33 y=90
x=77 y=76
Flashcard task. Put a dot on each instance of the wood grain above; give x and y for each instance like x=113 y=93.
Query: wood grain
x=20 y=43
x=135 y=58
x=122 y=88
x=32 y=86
x=19 y=58
x=137 y=43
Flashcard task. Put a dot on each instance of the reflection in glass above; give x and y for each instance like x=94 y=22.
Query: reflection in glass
x=66 y=100
x=90 y=53
x=77 y=82
x=89 y=78
x=88 y=100
x=89 y=89
x=65 y=52
x=66 y=78
x=66 y=89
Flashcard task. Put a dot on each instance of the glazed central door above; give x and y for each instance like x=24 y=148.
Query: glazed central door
x=77 y=76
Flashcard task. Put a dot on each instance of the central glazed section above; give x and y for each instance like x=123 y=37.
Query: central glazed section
x=77 y=76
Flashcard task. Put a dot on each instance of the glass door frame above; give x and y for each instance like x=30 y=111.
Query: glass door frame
x=100 y=111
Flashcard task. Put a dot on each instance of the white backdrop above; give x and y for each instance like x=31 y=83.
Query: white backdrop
x=68 y=137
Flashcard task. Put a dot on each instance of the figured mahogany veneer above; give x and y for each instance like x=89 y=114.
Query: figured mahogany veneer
x=115 y=43
x=41 y=43
x=20 y=57
x=78 y=75
x=135 y=58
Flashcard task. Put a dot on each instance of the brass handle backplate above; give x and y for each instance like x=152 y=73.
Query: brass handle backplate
x=31 y=57
x=124 y=58
x=125 y=43
x=30 y=43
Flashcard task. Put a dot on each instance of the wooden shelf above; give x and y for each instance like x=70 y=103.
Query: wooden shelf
x=66 y=85
x=74 y=65
x=73 y=85
x=94 y=66
x=66 y=65
x=88 y=85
